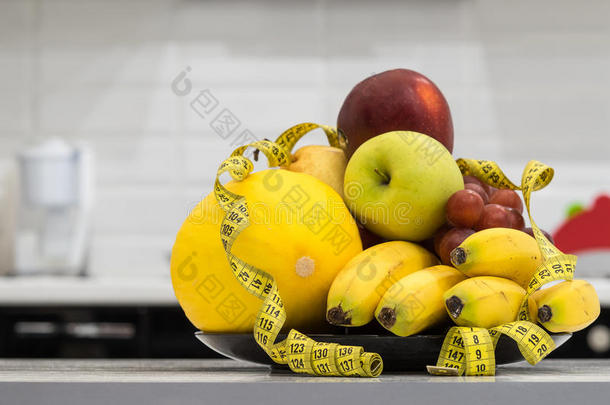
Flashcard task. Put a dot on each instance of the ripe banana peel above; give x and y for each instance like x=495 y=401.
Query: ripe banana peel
x=568 y=306
x=357 y=289
x=485 y=302
x=415 y=302
x=500 y=252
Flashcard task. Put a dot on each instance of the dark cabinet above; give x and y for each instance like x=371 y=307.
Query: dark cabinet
x=98 y=332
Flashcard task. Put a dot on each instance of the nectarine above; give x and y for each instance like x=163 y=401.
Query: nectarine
x=398 y=99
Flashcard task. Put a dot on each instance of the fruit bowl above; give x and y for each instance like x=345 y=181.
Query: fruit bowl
x=410 y=353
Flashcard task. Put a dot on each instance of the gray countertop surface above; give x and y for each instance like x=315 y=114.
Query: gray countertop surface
x=94 y=291
x=228 y=381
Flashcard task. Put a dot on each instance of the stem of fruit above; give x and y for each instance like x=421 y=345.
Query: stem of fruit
x=544 y=313
x=457 y=256
x=387 y=317
x=337 y=316
x=454 y=306
x=384 y=176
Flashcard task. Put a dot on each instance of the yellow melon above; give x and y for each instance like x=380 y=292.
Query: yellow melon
x=300 y=232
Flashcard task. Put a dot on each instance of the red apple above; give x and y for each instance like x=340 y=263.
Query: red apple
x=398 y=99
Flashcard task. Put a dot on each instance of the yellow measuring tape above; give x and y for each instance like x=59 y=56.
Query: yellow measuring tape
x=470 y=351
x=464 y=350
x=302 y=354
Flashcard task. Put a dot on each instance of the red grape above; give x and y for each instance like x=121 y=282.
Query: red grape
x=530 y=232
x=494 y=216
x=367 y=237
x=464 y=208
x=438 y=237
x=479 y=190
x=474 y=180
x=507 y=198
x=517 y=221
x=452 y=239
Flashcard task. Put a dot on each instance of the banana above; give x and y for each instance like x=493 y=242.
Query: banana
x=485 y=302
x=356 y=290
x=415 y=302
x=568 y=306
x=500 y=252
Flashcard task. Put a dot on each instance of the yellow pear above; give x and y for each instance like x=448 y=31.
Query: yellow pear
x=326 y=163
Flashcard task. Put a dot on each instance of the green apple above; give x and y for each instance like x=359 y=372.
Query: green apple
x=398 y=183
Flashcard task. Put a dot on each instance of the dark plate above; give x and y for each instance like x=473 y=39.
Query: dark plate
x=410 y=353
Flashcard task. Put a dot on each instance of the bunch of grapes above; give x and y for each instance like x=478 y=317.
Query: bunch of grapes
x=478 y=206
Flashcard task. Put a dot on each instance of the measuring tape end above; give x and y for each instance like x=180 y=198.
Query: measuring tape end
x=443 y=371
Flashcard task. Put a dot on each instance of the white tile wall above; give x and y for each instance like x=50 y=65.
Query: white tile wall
x=280 y=108
x=16 y=24
x=14 y=111
x=137 y=159
x=86 y=24
x=523 y=79
x=145 y=64
x=139 y=210
x=130 y=255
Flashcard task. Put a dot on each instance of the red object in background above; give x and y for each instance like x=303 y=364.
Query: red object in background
x=587 y=230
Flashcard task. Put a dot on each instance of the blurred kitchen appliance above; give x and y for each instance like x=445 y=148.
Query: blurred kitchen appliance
x=53 y=218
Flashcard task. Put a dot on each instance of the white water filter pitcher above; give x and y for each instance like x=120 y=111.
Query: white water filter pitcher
x=53 y=221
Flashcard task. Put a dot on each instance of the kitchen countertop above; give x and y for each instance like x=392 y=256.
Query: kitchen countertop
x=228 y=381
x=91 y=291
x=85 y=291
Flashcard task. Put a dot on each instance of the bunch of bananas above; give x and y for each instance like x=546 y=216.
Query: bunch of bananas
x=403 y=286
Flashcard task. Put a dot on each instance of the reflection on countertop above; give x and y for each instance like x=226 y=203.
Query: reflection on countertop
x=228 y=381
x=233 y=371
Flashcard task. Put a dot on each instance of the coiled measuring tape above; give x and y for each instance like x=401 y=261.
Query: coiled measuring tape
x=302 y=354
x=470 y=351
